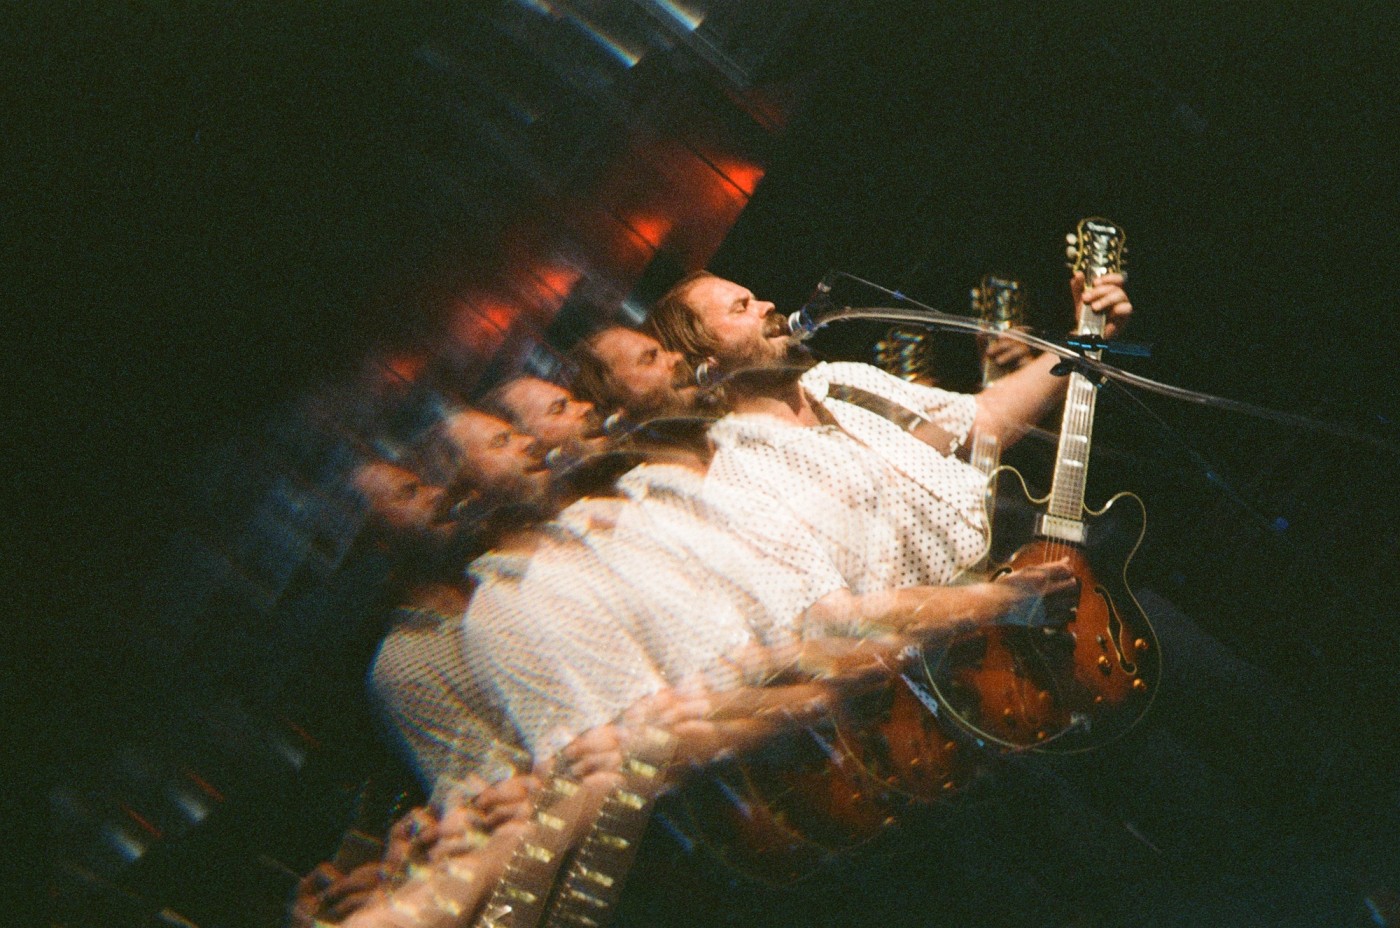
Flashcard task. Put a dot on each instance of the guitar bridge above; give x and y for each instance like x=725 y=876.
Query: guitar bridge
x=1061 y=529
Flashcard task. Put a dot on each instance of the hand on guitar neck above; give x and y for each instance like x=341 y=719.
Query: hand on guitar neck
x=1106 y=297
x=1016 y=402
x=1006 y=353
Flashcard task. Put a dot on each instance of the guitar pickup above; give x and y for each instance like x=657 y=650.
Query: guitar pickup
x=1060 y=528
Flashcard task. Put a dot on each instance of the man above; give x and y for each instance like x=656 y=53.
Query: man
x=890 y=503
x=620 y=598
x=429 y=699
x=426 y=697
x=709 y=319
x=490 y=460
x=623 y=369
x=550 y=414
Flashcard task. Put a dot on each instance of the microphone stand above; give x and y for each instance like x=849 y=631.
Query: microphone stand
x=1073 y=351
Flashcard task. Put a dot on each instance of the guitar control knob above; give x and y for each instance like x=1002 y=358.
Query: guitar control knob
x=1104 y=664
x=1140 y=645
x=1140 y=685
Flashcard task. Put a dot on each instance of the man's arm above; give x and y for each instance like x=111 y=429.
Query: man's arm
x=1014 y=403
x=941 y=612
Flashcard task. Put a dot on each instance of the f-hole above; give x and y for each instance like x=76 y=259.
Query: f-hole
x=1115 y=630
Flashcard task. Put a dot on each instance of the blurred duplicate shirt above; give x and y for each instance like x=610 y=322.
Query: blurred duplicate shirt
x=889 y=510
x=554 y=650
x=629 y=596
x=771 y=574
x=432 y=697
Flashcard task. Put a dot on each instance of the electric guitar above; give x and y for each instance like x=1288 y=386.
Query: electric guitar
x=910 y=751
x=1001 y=303
x=1074 y=687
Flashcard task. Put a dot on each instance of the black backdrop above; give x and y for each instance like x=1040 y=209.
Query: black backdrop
x=215 y=207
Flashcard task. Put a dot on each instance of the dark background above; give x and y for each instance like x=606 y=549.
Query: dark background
x=220 y=207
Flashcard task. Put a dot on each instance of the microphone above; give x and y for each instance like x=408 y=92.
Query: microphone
x=707 y=373
x=803 y=323
x=557 y=459
x=615 y=425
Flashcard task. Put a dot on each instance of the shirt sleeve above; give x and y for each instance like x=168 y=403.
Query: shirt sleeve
x=433 y=707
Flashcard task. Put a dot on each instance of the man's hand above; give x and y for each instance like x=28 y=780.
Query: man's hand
x=598 y=750
x=506 y=801
x=1040 y=596
x=1106 y=297
x=326 y=894
x=409 y=839
x=1008 y=353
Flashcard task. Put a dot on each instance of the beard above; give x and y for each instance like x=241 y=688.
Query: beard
x=771 y=346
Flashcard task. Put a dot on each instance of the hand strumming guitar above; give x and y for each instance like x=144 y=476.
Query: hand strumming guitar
x=1041 y=596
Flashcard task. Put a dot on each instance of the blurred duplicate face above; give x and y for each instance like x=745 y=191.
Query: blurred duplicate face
x=653 y=381
x=551 y=414
x=496 y=459
x=748 y=332
x=403 y=505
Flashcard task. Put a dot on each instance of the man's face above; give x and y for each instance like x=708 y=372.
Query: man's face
x=653 y=380
x=496 y=459
x=552 y=415
x=404 y=505
x=748 y=331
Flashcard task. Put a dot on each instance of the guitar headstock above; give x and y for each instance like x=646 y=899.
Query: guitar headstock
x=903 y=352
x=999 y=301
x=1096 y=247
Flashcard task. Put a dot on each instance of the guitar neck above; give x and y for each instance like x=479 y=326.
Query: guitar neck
x=593 y=883
x=520 y=895
x=1072 y=454
x=1098 y=251
x=999 y=302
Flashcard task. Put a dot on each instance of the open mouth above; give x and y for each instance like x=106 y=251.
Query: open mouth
x=448 y=512
x=593 y=428
x=682 y=377
x=775 y=325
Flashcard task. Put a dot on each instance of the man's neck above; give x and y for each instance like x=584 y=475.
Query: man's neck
x=788 y=403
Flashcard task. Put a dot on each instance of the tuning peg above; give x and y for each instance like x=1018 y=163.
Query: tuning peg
x=1072 y=253
x=1071 y=238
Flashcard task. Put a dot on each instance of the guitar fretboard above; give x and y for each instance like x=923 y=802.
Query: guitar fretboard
x=1099 y=246
x=519 y=897
x=593 y=883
